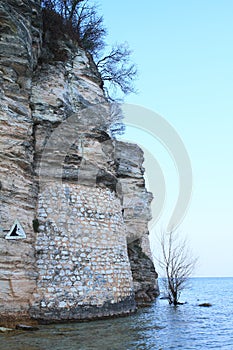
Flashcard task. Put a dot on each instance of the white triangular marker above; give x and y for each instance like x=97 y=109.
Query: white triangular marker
x=16 y=231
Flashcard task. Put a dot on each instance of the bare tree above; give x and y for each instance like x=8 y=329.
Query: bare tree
x=176 y=263
x=81 y=21
x=116 y=68
x=88 y=26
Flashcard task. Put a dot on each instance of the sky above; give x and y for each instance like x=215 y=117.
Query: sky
x=184 y=54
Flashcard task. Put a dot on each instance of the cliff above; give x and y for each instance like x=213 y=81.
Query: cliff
x=79 y=248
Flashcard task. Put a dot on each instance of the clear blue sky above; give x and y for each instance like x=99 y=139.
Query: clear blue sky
x=184 y=53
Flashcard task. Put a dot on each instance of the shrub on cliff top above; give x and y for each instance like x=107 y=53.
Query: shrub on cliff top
x=80 y=21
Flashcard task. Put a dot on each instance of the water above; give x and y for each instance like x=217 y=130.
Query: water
x=160 y=326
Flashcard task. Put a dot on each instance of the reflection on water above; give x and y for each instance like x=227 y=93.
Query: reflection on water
x=160 y=326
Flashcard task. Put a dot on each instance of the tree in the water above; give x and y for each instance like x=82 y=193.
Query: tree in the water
x=176 y=263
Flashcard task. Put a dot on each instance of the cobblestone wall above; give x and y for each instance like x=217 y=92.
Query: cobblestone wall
x=81 y=250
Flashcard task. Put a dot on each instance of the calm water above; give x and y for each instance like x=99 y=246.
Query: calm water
x=158 y=327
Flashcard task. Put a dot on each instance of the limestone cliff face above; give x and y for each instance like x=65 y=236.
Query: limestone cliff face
x=79 y=194
x=20 y=46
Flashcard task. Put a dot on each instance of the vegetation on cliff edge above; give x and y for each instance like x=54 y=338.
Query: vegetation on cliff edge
x=80 y=21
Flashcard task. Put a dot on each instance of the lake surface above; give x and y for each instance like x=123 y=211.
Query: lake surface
x=159 y=327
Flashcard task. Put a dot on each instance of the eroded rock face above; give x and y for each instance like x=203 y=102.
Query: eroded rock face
x=78 y=194
x=20 y=47
x=136 y=200
x=144 y=274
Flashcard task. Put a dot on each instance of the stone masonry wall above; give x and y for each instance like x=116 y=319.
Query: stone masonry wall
x=82 y=255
